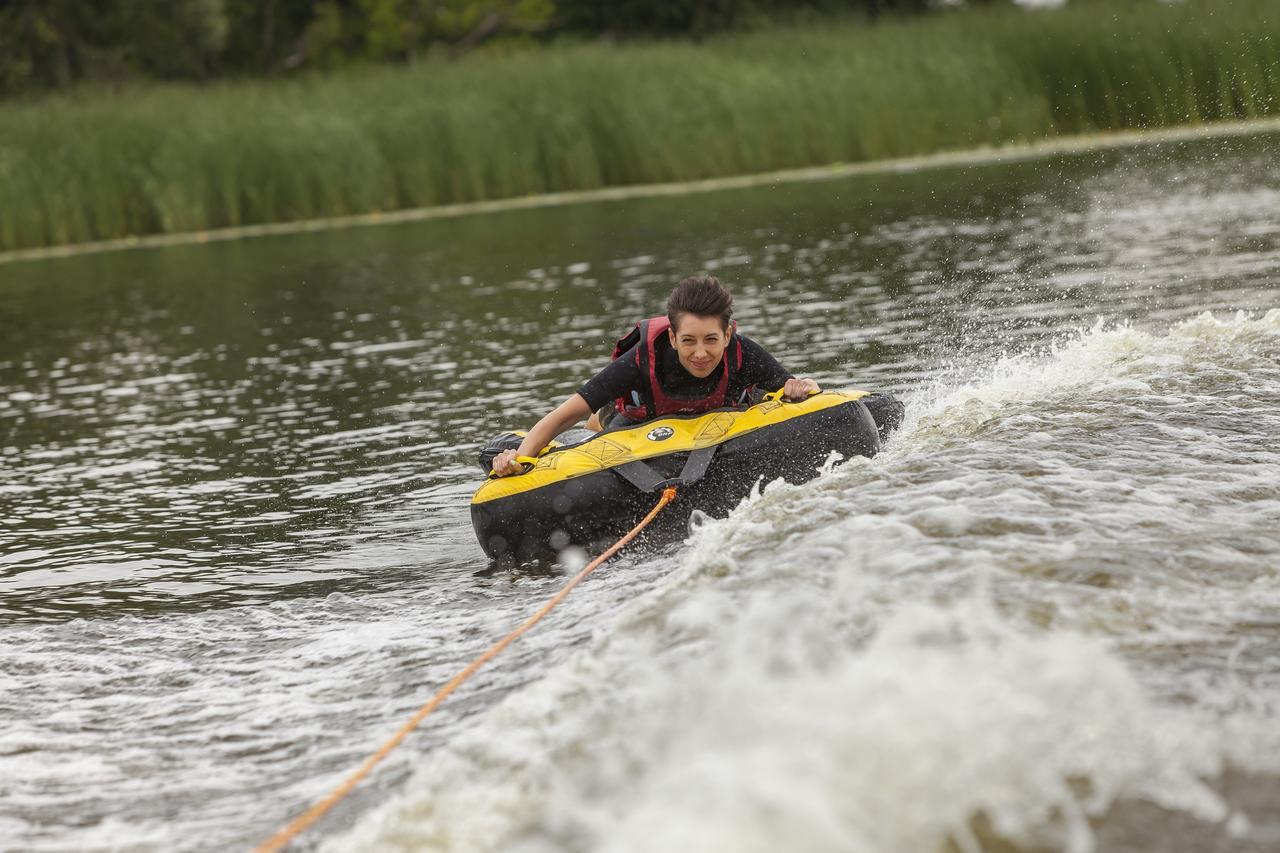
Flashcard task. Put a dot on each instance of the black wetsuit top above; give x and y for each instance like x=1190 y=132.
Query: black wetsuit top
x=624 y=376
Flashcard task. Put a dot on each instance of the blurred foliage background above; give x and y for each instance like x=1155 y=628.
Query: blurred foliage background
x=131 y=117
x=50 y=44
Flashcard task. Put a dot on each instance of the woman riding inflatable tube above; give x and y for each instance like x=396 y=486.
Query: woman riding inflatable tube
x=690 y=361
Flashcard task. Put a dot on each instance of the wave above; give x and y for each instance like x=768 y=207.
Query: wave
x=1103 y=363
x=1034 y=607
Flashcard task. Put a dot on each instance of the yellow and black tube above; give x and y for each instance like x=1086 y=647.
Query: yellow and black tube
x=589 y=492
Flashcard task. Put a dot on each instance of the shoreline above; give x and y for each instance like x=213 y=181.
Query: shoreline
x=1062 y=145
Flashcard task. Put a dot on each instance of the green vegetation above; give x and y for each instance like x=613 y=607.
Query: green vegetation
x=51 y=44
x=98 y=164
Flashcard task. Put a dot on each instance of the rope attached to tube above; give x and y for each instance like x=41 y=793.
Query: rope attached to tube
x=311 y=815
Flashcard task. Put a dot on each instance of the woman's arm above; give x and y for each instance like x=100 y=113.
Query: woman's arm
x=763 y=370
x=557 y=421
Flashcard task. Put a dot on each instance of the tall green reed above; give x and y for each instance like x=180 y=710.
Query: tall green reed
x=98 y=164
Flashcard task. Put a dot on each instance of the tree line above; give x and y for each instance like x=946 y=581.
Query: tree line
x=51 y=44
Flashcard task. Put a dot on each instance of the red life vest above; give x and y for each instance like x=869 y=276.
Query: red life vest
x=658 y=403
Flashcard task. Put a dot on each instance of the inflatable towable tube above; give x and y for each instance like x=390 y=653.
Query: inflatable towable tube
x=589 y=492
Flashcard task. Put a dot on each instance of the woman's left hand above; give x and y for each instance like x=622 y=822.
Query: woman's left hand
x=798 y=389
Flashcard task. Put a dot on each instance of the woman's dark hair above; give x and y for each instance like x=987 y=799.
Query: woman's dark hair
x=702 y=295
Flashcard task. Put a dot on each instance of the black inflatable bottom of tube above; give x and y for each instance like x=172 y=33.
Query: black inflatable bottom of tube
x=594 y=510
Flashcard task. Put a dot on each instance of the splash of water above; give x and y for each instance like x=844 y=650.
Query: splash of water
x=969 y=636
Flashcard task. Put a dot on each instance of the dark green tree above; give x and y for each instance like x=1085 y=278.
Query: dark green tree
x=49 y=44
x=52 y=43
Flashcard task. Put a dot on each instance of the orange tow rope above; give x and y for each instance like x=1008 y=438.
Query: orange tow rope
x=311 y=815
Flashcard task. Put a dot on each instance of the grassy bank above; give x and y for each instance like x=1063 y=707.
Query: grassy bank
x=167 y=159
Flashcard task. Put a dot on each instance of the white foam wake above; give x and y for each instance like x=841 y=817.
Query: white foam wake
x=966 y=637
x=1106 y=362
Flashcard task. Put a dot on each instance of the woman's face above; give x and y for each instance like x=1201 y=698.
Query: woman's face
x=700 y=343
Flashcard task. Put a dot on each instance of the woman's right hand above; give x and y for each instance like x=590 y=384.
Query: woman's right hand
x=505 y=464
x=560 y=418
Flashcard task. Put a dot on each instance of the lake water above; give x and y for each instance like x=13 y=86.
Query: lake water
x=236 y=551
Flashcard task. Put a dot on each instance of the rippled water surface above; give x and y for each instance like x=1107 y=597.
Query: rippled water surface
x=236 y=551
